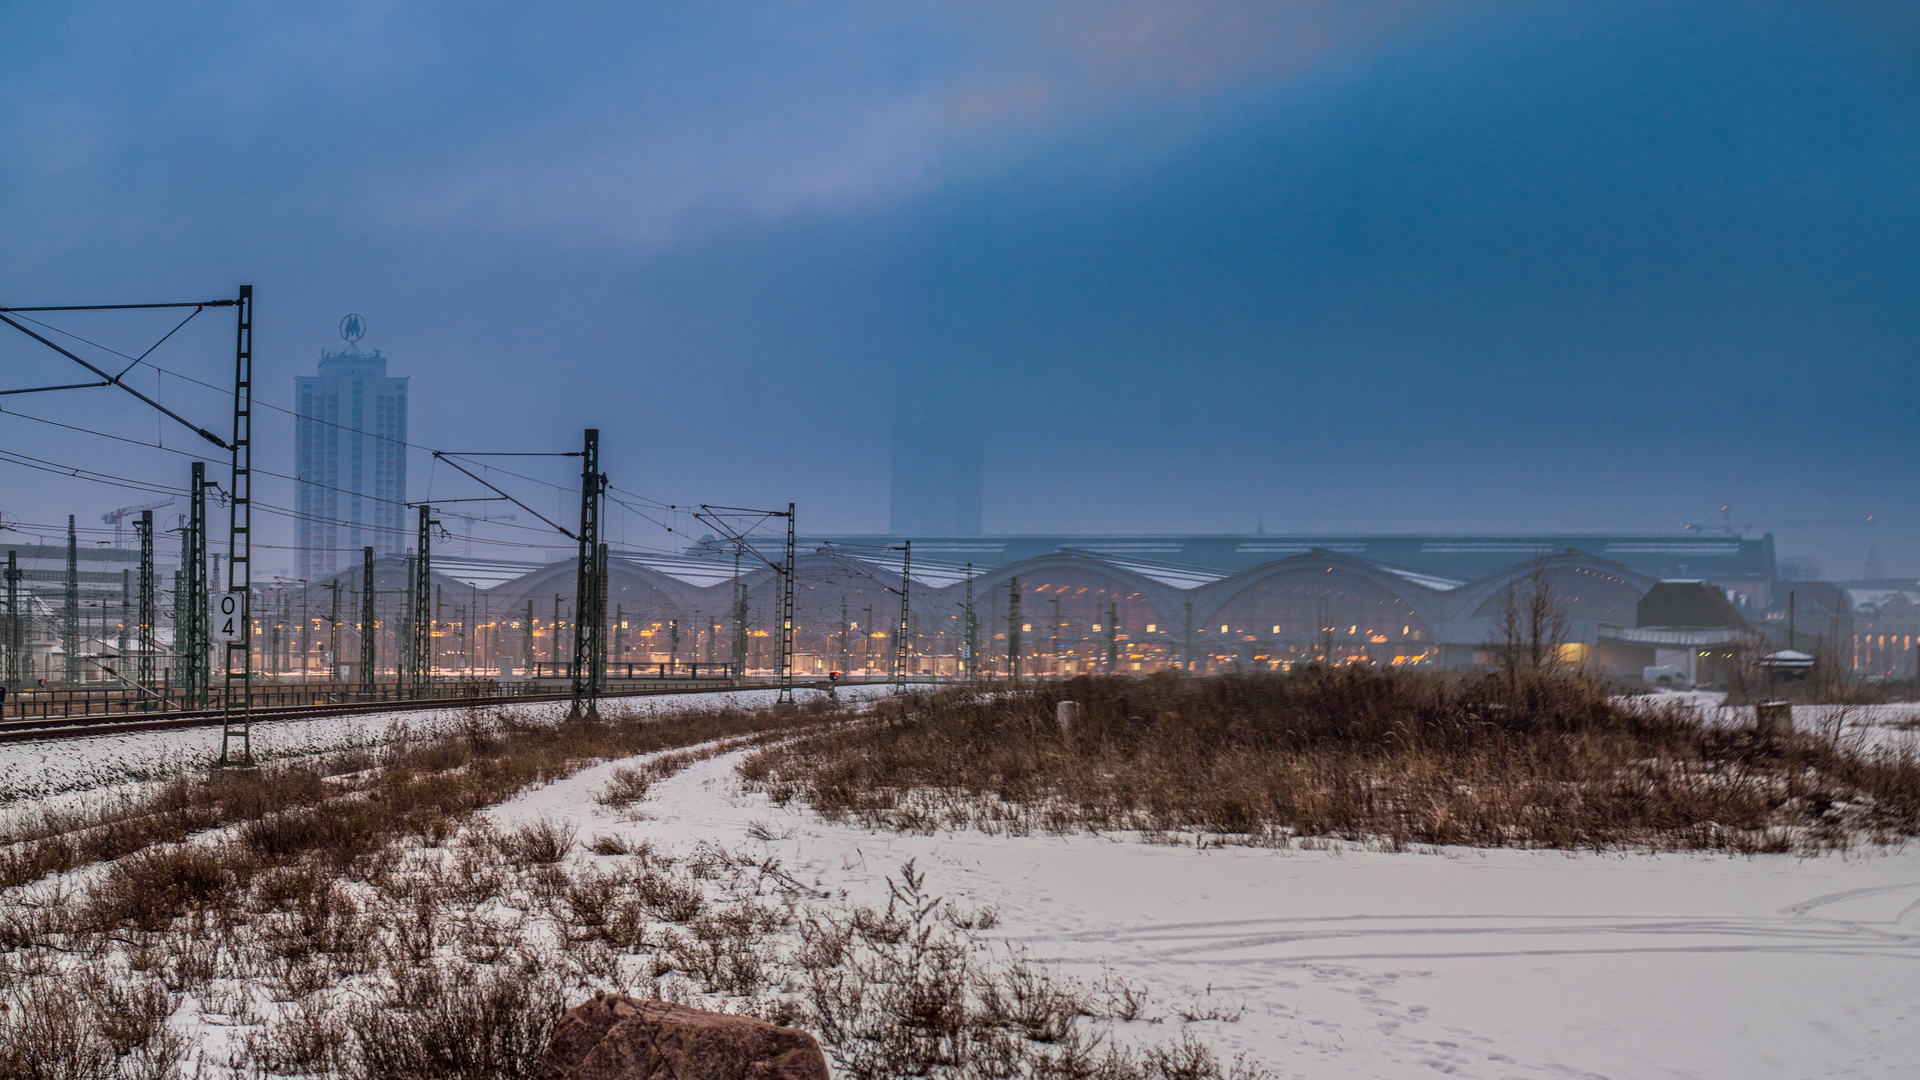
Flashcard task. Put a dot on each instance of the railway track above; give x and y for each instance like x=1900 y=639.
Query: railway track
x=79 y=727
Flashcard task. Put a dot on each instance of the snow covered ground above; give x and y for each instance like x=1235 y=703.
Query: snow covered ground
x=1893 y=725
x=1353 y=963
x=33 y=771
x=1334 y=962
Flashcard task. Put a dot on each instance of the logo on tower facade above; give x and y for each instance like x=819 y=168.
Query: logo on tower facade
x=353 y=328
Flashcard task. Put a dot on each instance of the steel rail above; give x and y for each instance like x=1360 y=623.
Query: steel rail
x=52 y=728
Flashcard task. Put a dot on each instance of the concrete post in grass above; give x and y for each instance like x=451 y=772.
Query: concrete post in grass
x=1068 y=714
x=1773 y=719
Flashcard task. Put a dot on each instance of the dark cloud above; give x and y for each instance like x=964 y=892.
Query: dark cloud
x=1373 y=265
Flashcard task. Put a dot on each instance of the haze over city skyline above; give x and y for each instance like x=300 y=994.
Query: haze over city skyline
x=1359 y=268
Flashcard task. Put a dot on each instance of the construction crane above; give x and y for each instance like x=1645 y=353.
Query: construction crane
x=114 y=517
x=471 y=518
x=1728 y=525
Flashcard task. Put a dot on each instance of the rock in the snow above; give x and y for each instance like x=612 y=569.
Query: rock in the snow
x=615 y=1037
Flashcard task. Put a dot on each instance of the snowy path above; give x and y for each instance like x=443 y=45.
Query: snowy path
x=1892 y=726
x=1361 y=964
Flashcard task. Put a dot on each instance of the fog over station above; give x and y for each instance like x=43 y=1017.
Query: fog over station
x=1159 y=310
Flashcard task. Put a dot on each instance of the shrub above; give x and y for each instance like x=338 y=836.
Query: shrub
x=899 y=993
x=487 y=1025
x=542 y=841
x=148 y=891
x=1542 y=760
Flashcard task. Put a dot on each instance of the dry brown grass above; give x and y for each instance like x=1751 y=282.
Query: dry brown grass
x=495 y=1025
x=366 y=922
x=907 y=991
x=1352 y=754
x=348 y=806
x=251 y=878
x=87 y=1028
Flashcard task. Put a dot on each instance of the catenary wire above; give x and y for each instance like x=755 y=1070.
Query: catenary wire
x=262 y=472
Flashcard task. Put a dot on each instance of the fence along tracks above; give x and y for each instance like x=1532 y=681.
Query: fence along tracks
x=78 y=727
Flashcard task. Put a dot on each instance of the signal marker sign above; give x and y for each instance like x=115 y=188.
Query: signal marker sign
x=230 y=618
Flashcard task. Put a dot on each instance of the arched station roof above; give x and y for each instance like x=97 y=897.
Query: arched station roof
x=633 y=586
x=1080 y=570
x=1423 y=594
x=1596 y=589
x=1591 y=587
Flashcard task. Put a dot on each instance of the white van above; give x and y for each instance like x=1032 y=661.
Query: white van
x=1666 y=676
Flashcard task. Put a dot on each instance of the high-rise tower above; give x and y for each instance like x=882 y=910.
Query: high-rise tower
x=350 y=454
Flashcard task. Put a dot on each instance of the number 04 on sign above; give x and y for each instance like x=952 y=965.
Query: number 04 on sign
x=230 y=617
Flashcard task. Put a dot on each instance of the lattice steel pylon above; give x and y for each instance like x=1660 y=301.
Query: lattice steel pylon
x=590 y=594
x=403 y=633
x=606 y=633
x=143 y=671
x=739 y=664
x=241 y=536
x=972 y=630
x=902 y=639
x=527 y=657
x=333 y=633
x=238 y=724
x=720 y=517
x=1113 y=636
x=785 y=696
x=70 y=607
x=190 y=626
x=417 y=657
x=369 y=624
x=1013 y=629
x=15 y=629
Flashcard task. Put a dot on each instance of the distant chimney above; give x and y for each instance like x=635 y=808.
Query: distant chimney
x=936 y=474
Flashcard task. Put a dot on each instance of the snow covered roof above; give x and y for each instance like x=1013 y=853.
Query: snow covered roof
x=481 y=573
x=697 y=572
x=1430 y=581
x=1177 y=575
x=1464 y=557
x=886 y=566
x=1875 y=599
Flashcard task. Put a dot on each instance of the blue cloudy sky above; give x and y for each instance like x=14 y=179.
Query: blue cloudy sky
x=1368 y=266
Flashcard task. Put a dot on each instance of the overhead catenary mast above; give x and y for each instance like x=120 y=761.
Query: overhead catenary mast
x=70 y=607
x=368 y=624
x=240 y=534
x=785 y=696
x=842 y=666
x=739 y=617
x=902 y=639
x=193 y=638
x=416 y=674
x=16 y=636
x=589 y=625
x=527 y=656
x=1013 y=629
x=590 y=592
x=237 y=725
x=973 y=632
x=143 y=673
x=333 y=632
x=718 y=517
